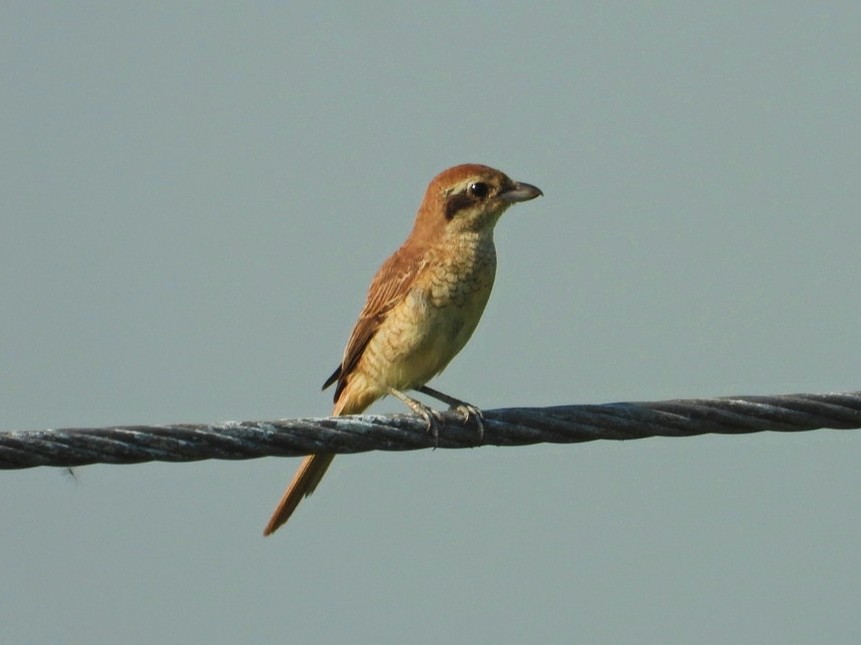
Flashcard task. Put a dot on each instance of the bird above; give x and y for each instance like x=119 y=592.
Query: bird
x=421 y=308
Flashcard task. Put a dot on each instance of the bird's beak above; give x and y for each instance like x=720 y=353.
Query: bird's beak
x=521 y=193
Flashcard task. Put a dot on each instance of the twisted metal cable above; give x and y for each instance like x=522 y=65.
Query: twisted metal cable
x=503 y=427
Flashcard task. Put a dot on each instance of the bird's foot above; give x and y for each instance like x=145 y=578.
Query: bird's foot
x=469 y=410
x=466 y=409
x=432 y=417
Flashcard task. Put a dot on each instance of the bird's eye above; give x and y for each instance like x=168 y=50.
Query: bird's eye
x=479 y=189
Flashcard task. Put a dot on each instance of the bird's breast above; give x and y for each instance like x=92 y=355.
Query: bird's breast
x=423 y=332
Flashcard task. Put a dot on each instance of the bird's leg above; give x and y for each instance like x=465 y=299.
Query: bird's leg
x=431 y=416
x=466 y=409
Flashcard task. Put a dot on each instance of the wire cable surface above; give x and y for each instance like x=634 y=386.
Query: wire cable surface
x=503 y=427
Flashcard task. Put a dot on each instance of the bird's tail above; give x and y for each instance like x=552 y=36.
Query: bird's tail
x=313 y=467
x=309 y=474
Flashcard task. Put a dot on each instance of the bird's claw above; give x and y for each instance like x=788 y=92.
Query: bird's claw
x=468 y=410
x=432 y=417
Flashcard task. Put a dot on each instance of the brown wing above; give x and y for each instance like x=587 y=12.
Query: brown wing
x=392 y=282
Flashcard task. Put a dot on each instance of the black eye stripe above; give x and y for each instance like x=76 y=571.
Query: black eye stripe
x=472 y=194
x=458 y=202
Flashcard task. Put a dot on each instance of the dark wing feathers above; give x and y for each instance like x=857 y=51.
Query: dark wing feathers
x=333 y=377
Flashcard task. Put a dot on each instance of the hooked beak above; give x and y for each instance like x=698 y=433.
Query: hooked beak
x=521 y=192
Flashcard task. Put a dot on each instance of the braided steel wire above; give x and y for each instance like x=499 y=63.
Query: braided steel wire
x=502 y=427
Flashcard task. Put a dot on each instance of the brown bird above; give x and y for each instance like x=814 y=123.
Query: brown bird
x=421 y=308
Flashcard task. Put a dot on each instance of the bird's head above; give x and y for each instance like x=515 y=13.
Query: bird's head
x=469 y=197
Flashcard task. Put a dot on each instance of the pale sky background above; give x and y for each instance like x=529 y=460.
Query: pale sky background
x=195 y=197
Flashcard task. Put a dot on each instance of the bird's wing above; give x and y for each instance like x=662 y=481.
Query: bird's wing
x=391 y=284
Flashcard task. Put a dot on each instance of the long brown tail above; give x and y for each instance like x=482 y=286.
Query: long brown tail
x=313 y=467
x=309 y=474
